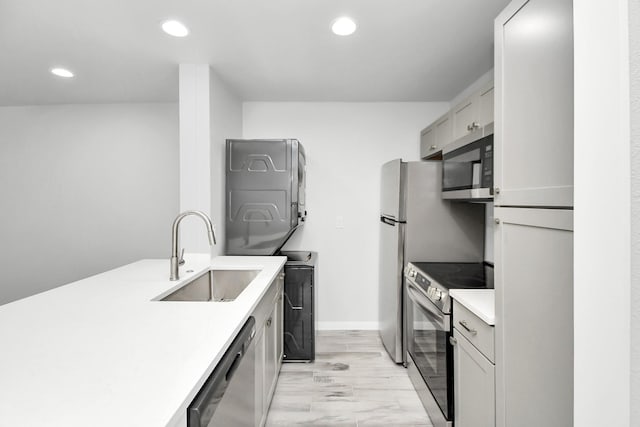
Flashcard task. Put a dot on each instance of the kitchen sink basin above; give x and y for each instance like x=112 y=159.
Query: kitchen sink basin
x=214 y=285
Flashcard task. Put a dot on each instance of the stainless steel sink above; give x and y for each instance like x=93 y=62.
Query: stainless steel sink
x=214 y=285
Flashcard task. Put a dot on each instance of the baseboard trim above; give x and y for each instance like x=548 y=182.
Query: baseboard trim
x=347 y=326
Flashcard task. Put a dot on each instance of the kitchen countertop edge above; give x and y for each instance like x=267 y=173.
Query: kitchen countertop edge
x=480 y=302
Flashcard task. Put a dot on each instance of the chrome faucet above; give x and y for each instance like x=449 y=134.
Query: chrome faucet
x=175 y=260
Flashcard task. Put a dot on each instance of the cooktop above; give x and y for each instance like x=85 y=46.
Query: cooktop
x=436 y=278
x=458 y=275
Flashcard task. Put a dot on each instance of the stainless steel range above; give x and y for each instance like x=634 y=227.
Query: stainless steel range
x=428 y=326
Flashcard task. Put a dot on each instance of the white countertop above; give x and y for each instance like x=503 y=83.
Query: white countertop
x=101 y=352
x=481 y=302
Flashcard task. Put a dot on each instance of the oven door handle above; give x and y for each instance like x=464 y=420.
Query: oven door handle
x=417 y=296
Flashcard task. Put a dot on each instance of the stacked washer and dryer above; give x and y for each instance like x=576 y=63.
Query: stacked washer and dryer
x=264 y=205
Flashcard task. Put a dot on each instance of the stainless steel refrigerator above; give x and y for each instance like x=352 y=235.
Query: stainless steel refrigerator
x=416 y=224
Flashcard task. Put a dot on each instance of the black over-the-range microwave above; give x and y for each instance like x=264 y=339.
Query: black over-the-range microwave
x=467 y=170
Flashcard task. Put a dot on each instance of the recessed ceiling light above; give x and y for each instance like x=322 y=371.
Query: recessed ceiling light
x=175 y=28
x=343 y=26
x=61 y=72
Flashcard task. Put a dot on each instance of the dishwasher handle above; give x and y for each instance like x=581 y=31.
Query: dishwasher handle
x=204 y=405
x=234 y=366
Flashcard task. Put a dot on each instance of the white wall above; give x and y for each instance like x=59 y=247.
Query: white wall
x=346 y=144
x=602 y=244
x=634 y=39
x=85 y=188
x=209 y=114
x=226 y=122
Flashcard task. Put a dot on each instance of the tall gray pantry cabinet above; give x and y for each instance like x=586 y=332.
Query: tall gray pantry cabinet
x=533 y=199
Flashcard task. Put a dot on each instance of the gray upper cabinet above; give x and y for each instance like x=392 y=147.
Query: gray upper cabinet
x=428 y=146
x=464 y=115
x=435 y=137
x=468 y=117
x=534 y=104
x=534 y=317
x=444 y=130
x=486 y=104
x=473 y=113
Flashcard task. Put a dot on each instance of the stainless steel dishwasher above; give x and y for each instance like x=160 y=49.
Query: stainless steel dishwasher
x=227 y=398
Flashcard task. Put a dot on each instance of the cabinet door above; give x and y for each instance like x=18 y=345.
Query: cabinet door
x=486 y=104
x=428 y=145
x=534 y=104
x=464 y=115
x=534 y=317
x=444 y=131
x=474 y=385
x=261 y=409
x=270 y=369
x=279 y=314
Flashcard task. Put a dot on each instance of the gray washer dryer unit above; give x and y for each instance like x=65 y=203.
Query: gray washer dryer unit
x=265 y=194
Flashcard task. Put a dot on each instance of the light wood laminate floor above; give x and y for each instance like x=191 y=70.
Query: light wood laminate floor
x=352 y=382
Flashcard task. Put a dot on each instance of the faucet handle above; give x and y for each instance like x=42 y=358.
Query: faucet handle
x=181 y=259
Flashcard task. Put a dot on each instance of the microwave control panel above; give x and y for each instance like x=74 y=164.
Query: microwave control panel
x=487 y=166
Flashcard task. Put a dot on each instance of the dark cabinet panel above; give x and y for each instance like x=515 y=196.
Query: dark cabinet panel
x=299 y=329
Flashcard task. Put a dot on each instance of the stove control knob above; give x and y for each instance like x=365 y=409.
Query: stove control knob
x=412 y=273
x=437 y=295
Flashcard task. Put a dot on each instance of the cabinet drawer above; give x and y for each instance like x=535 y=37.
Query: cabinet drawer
x=480 y=334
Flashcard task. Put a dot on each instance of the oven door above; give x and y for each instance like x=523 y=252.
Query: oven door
x=428 y=332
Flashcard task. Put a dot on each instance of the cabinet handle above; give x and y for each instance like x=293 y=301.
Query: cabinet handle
x=433 y=147
x=269 y=322
x=497 y=220
x=475 y=125
x=469 y=127
x=496 y=190
x=463 y=323
x=453 y=341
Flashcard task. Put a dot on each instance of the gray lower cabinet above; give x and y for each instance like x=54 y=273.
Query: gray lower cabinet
x=534 y=317
x=268 y=360
x=272 y=356
x=474 y=385
x=473 y=370
x=261 y=411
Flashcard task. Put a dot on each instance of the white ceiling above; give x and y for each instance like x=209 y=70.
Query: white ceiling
x=266 y=50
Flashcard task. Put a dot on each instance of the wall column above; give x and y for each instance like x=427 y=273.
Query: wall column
x=195 y=164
